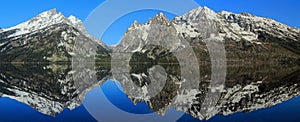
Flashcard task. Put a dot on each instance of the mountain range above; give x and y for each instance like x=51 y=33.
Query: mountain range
x=50 y=37
x=248 y=39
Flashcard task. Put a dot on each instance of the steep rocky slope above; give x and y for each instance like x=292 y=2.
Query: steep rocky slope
x=48 y=37
x=246 y=38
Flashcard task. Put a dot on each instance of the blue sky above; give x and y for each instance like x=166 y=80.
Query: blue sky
x=13 y=12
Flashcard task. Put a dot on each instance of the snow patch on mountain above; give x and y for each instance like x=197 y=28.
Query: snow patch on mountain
x=49 y=18
x=236 y=27
x=42 y=20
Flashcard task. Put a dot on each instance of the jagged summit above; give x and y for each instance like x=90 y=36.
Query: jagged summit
x=47 y=19
x=49 y=12
x=159 y=19
x=233 y=26
x=197 y=13
x=43 y=20
x=50 y=34
x=246 y=30
x=134 y=25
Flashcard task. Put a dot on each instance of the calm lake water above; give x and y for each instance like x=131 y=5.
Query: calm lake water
x=49 y=92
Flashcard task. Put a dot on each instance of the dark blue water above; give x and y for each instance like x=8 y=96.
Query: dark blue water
x=12 y=110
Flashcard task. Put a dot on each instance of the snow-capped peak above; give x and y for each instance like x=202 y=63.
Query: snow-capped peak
x=40 y=21
x=198 y=13
x=197 y=22
x=44 y=20
x=50 y=12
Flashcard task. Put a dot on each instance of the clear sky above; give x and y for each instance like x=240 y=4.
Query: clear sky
x=13 y=12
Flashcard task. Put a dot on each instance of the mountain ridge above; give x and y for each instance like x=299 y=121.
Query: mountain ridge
x=54 y=17
x=46 y=19
x=244 y=36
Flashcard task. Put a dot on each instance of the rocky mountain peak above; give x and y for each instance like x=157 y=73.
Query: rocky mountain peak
x=159 y=19
x=50 y=12
x=46 y=19
x=134 y=25
x=198 y=13
x=207 y=10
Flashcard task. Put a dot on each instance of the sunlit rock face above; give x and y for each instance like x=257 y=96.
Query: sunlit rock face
x=48 y=37
x=262 y=58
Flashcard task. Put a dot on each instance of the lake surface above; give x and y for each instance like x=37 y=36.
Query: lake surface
x=51 y=92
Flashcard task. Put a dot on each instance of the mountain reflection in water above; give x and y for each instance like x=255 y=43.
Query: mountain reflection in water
x=50 y=88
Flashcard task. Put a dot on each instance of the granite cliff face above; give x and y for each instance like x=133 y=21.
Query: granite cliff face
x=246 y=38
